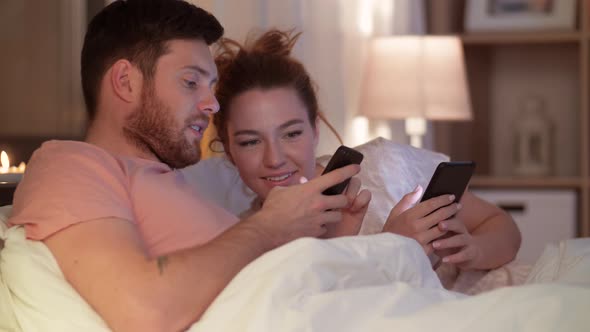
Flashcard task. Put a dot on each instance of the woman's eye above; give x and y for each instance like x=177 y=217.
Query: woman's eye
x=190 y=84
x=251 y=142
x=293 y=134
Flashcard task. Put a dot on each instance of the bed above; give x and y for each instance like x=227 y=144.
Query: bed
x=372 y=282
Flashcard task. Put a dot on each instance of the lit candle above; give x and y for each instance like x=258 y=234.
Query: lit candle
x=10 y=174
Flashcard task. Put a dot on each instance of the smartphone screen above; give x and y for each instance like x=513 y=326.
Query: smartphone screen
x=342 y=157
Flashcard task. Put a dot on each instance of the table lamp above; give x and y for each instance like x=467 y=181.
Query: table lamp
x=415 y=78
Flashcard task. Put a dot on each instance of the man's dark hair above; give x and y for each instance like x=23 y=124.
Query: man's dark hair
x=138 y=30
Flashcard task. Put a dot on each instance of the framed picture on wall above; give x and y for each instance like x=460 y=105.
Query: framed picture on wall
x=519 y=15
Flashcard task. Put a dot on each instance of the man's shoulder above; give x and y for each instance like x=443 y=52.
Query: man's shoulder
x=58 y=164
x=64 y=149
x=58 y=156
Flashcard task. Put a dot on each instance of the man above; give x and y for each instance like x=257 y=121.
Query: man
x=139 y=244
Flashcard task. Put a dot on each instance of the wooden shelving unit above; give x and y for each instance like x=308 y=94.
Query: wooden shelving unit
x=519 y=182
x=521 y=38
x=564 y=55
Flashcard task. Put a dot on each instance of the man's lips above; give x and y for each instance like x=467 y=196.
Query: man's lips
x=199 y=128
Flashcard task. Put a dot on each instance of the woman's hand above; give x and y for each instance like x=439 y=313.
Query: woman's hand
x=353 y=214
x=459 y=247
x=418 y=221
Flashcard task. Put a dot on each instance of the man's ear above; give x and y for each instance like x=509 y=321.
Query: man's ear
x=126 y=80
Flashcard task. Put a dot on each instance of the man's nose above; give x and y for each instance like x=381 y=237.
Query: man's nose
x=209 y=104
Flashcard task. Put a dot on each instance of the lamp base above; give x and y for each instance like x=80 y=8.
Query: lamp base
x=416 y=128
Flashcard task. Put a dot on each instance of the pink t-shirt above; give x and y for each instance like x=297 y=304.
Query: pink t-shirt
x=69 y=182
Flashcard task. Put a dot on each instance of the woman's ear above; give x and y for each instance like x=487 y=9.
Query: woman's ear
x=126 y=81
x=316 y=138
x=228 y=154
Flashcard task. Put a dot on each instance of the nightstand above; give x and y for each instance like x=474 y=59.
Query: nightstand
x=6 y=193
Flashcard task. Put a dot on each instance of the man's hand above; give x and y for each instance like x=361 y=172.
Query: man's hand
x=352 y=217
x=418 y=221
x=302 y=210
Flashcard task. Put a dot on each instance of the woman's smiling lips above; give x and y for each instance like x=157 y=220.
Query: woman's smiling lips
x=280 y=179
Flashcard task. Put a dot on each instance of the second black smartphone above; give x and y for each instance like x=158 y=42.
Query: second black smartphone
x=450 y=178
x=342 y=157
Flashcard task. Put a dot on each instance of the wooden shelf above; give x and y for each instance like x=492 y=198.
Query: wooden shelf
x=522 y=182
x=522 y=38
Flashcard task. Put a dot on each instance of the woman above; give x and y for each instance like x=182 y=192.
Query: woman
x=268 y=125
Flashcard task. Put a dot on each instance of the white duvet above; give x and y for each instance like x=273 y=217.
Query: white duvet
x=384 y=283
x=364 y=283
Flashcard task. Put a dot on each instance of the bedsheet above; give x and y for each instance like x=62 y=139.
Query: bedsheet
x=381 y=283
x=364 y=283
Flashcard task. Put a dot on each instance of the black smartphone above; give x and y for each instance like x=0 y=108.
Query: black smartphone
x=449 y=178
x=342 y=157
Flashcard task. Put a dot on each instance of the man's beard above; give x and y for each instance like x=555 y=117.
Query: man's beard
x=152 y=128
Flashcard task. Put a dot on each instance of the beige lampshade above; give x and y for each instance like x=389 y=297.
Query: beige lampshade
x=415 y=76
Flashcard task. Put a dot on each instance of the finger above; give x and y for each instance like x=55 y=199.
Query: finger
x=336 y=176
x=439 y=215
x=332 y=202
x=429 y=206
x=427 y=249
x=462 y=256
x=454 y=224
x=361 y=201
x=455 y=241
x=353 y=188
x=406 y=202
x=429 y=235
x=328 y=217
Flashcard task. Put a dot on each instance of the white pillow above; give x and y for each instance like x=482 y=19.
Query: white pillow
x=389 y=170
x=39 y=295
x=219 y=181
x=8 y=320
x=567 y=262
x=5 y=212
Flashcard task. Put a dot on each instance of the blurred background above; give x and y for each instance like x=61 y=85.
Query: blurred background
x=511 y=95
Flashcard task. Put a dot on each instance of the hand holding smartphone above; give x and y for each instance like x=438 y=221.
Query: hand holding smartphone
x=449 y=178
x=342 y=157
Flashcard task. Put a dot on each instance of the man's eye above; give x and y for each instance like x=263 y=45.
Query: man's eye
x=293 y=134
x=251 y=142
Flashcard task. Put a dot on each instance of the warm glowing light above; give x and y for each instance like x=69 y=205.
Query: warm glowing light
x=365 y=18
x=5 y=165
x=4 y=161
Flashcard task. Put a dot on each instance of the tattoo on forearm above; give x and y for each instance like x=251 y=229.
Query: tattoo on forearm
x=162 y=261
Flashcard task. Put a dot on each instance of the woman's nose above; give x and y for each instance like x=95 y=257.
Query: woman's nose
x=274 y=156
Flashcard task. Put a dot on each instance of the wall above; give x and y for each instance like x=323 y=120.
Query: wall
x=332 y=49
x=39 y=86
x=40 y=92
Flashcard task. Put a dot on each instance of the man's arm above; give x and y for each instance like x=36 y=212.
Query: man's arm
x=106 y=262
